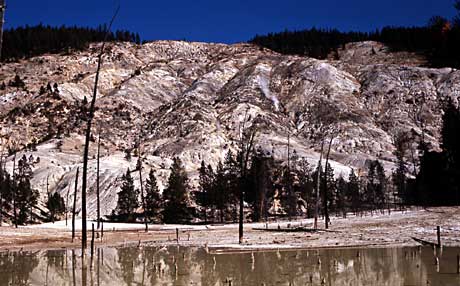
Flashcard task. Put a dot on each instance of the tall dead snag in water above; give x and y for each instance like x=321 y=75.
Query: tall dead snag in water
x=318 y=184
x=326 y=198
x=98 y=201
x=88 y=136
x=247 y=136
x=74 y=204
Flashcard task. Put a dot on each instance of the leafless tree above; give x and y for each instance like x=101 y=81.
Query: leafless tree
x=88 y=135
x=247 y=136
x=67 y=205
x=75 y=204
x=318 y=185
x=326 y=198
x=98 y=199
x=139 y=167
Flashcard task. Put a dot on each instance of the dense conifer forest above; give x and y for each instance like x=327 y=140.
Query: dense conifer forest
x=439 y=40
x=29 y=41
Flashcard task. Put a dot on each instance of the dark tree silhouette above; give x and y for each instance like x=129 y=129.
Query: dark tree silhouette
x=153 y=200
x=439 y=40
x=175 y=196
x=30 y=41
x=128 y=200
x=26 y=197
x=55 y=205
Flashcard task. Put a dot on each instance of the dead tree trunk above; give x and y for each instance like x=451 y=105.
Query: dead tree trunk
x=318 y=185
x=247 y=143
x=67 y=206
x=48 y=194
x=326 y=198
x=289 y=183
x=98 y=202
x=139 y=163
x=14 y=192
x=74 y=204
x=88 y=137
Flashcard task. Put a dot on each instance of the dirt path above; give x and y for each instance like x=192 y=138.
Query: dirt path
x=396 y=229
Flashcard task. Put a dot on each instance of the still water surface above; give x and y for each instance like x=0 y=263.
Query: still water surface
x=195 y=266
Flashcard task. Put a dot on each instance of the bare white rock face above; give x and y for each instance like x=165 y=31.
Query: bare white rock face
x=189 y=100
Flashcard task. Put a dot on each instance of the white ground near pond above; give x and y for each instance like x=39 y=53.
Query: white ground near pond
x=378 y=230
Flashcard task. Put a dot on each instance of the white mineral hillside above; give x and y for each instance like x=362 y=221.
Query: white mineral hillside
x=189 y=100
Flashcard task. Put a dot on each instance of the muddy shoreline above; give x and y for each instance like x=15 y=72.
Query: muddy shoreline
x=381 y=230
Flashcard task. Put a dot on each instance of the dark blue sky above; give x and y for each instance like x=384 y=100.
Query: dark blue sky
x=226 y=21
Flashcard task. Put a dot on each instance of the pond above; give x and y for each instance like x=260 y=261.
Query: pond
x=175 y=265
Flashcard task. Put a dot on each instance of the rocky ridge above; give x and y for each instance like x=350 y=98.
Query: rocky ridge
x=185 y=99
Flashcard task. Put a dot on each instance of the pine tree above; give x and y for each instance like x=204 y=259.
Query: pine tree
x=399 y=174
x=341 y=198
x=376 y=185
x=450 y=133
x=175 y=195
x=381 y=188
x=220 y=192
x=26 y=198
x=204 y=197
x=353 y=191
x=259 y=183
x=55 y=205
x=233 y=182
x=6 y=192
x=305 y=185
x=288 y=197
x=128 y=200
x=153 y=201
x=438 y=182
x=328 y=187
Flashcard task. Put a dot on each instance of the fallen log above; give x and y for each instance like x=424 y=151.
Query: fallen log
x=424 y=242
x=295 y=229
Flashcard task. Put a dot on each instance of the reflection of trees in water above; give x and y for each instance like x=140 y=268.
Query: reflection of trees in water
x=128 y=259
x=176 y=265
x=55 y=258
x=186 y=266
x=15 y=268
x=150 y=264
